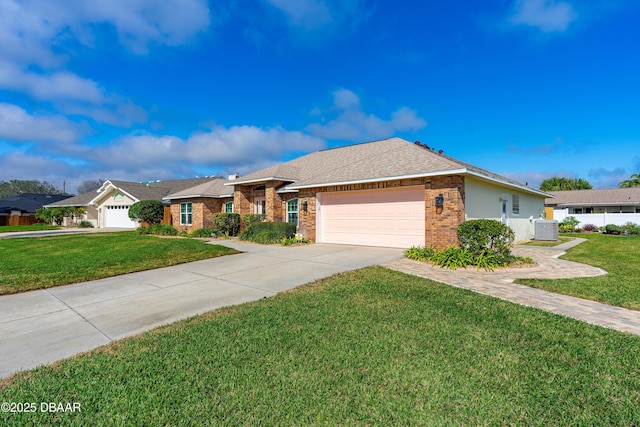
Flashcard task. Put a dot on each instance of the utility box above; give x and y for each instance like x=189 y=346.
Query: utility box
x=546 y=230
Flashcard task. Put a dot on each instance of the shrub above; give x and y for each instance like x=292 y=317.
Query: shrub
x=249 y=219
x=612 y=229
x=568 y=225
x=158 y=230
x=227 y=223
x=276 y=232
x=298 y=238
x=85 y=224
x=452 y=257
x=202 y=232
x=420 y=253
x=631 y=228
x=149 y=211
x=479 y=235
x=590 y=227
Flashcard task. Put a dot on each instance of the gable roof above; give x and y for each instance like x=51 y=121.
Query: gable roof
x=610 y=196
x=212 y=188
x=382 y=160
x=29 y=202
x=155 y=190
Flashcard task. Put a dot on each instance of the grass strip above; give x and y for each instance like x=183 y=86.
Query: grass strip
x=618 y=255
x=37 y=263
x=370 y=347
x=33 y=227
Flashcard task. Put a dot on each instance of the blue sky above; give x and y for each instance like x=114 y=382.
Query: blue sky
x=140 y=90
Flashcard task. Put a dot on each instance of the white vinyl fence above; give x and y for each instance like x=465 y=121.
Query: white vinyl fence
x=598 y=219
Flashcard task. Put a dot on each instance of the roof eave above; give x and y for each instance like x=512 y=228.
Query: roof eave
x=195 y=196
x=259 y=180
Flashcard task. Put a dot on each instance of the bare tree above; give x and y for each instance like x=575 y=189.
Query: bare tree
x=89 y=185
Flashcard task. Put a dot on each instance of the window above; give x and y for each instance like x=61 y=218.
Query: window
x=228 y=207
x=185 y=213
x=577 y=211
x=637 y=209
x=515 y=204
x=260 y=206
x=292 y=211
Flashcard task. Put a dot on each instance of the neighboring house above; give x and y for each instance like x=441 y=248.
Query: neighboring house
x=384 y=193
x=21 y=208
x=598 y=207
x=108 y=206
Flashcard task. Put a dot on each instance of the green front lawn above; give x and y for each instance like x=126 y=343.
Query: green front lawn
x=370 y=347
x=36 y=263
x=619 y=255
x=33 y=227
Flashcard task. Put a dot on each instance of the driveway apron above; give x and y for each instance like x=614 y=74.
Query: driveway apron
x=43 y=326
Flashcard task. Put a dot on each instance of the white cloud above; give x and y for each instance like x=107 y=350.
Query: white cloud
x=18 y=125
x=313 y=18
x=35 y=33
x=546 y=15
x=353 y=124
x=238 y=147
x=18 y=165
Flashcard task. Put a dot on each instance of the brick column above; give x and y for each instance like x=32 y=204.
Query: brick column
x=274 y=203
x=307 y=220
x=442 y=222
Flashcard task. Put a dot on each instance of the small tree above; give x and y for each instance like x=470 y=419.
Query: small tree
x=149 y=211
x=54 y=215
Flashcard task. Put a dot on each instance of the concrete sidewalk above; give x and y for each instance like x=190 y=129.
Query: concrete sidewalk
x=499 y=283
x=40 y=327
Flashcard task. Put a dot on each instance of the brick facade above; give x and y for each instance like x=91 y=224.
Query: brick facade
x=441 y=223
x=202 y=210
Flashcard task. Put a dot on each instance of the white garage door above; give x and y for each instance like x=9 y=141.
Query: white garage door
x=118 y=217
x=389 y=217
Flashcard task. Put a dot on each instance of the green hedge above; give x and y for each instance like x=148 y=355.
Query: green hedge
x=269 y=232
x=249 y=219
x=227 y=223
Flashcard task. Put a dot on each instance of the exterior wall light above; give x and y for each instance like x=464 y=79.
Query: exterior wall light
x=440 y=200
x=304 y=206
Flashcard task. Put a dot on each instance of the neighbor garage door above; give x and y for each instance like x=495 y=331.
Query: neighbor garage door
x=389 y=217
x=118 y=217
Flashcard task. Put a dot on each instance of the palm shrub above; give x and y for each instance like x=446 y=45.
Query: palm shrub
x=453 y=257
x=227 y=223
x=481 y=235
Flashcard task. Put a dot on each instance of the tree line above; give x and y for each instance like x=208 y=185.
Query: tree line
x=19 y=186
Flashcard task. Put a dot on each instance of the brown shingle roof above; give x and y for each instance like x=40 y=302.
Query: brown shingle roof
x=155 y=190
x=611 y=196
x=211 y=188
x=377 y=160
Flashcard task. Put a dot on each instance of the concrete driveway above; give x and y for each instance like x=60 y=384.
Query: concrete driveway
x=40 y=327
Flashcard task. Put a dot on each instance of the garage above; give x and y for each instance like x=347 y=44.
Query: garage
x=118 y=217
x=389 y=217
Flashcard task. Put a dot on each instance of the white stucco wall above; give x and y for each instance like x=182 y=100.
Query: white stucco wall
x=483 y=200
